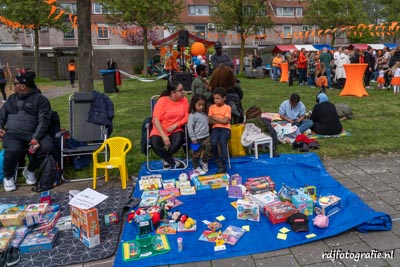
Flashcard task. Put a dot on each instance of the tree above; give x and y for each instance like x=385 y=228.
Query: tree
x=145 y=14
x=34 y=13
x=331 y=14
x=85 y=55
x=391 y=13
x=243 y=16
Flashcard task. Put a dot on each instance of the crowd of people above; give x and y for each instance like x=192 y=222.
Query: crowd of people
x=325 y=69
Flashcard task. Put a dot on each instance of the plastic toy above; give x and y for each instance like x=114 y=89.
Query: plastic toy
x=131 y=216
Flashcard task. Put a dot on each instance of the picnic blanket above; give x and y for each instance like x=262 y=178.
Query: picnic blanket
x=294 y=170
x=68 y=249
x=314 y=135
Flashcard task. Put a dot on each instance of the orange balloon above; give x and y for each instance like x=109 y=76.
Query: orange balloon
x=197 y=48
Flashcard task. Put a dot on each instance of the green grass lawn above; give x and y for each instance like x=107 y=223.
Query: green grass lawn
x=373 y=127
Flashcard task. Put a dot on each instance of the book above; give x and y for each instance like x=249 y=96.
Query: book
x=20 y=233
x=173 y=191
x=6 y=235
x=48 y=221
x=64 y=223
x=232 y=234
x=167 y=228
x=168 y=183
x=150 y=182
x=211 y=236
x=149 y=198
x=188 y=191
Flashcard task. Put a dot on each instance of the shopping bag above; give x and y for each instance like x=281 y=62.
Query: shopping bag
x=235 y=145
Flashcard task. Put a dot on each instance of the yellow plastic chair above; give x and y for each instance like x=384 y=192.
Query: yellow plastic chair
x=118 y=147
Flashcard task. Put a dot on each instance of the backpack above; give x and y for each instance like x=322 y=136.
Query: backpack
x=49 y=175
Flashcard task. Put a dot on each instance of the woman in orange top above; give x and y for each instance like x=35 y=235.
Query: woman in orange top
x=276 y=67
x=170 y=115
x=72 y=70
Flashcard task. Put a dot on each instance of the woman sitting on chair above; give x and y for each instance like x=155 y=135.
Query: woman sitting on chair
x=169 y=118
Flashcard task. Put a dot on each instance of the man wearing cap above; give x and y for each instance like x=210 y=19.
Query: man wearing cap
x=24 y=121
x=325 y=117
x=219 y=57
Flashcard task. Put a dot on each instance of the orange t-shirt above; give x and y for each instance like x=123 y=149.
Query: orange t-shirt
x=71 y=67
x=220 y=112
x=277 y=61
x=170 y=112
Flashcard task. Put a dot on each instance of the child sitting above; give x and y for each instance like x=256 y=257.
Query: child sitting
x=321 y=81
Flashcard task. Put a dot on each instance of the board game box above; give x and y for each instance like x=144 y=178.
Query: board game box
x=85 y=226
x=39 y=240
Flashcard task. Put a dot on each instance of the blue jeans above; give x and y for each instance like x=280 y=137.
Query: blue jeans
x=328 y=76
x=311 y=80
x=302 y=76
x=276 y=72
x=304 y=125
x=219 y=138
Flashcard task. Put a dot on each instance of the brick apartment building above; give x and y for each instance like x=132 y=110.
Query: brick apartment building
x=58 y=47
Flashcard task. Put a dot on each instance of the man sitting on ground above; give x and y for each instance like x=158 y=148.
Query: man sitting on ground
x=294 y=111
x=24 y=121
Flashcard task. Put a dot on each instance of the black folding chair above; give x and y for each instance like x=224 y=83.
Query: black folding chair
x=93 y=135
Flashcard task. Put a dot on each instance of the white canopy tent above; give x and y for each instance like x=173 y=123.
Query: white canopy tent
x=377 y=46
x=306 y=47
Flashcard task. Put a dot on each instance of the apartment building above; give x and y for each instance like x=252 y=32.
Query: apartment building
x=58 y=47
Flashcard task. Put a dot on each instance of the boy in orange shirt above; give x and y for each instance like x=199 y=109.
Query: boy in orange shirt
x=219 y=116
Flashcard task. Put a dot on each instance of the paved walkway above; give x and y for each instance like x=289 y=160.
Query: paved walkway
x=375 y=179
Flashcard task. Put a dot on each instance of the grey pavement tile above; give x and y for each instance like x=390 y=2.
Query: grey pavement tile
x=310 y=252
x=391 y=197
x=395 y=169
x=281 y=261
x=380 y=205
x=335 y=263
x=193 y=264
x=396 y=224
x=102 y=263
x=364 y=194
x=374 y=169
x=396 y=186
x=271 y=254
x=395 y=261
x=381 y=240
x=388 y=177
x=358 y=247
x=376 y=186
x=348 y=183
x=361 y=177
x=342 y=239
x=244 y=261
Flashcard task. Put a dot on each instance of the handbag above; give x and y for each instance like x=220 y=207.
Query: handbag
x=235 y=145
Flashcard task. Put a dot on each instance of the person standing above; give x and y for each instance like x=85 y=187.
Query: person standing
x=72 y=71
x=3 y=83
x=292 y=59
x=294 y=111
x=200 y=83
x=370 y=60
x=302 y=67
x=276 y=67
x=219 y=57
x=219 y=116
x=326 y=58
x=24 y=122
x=111 y=65
x=199 y=133
x=340 y=72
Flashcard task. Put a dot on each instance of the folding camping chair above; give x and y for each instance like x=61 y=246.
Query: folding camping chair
x=93 y=135
x=153 y=101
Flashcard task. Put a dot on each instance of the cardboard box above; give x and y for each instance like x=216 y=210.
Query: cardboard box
x=34 y=213
x=6 y=235
x=13 y=216
x=248 y=210
x=329 y=205
x=39 y=240
x=85 y=226
x=210 y=181
x=303 y=203
x=278 y=212
x=258 y=185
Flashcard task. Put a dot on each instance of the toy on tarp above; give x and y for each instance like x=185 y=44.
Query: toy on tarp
x=45 y=197
x=259 y=185
x=303 y=202
x=111 y=218
x=328 y=205
x=248 y=210
x=144 y=247
x=286 y=193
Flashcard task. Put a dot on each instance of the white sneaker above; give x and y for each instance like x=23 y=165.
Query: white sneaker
x=199 y=171
x=204 y=166
x=9 y=184
x=29 y=176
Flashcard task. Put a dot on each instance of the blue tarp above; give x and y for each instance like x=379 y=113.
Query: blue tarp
x=321 y=46
x=391 y=46
x=296 y=170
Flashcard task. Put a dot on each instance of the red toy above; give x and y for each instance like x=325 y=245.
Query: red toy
x=131 y=216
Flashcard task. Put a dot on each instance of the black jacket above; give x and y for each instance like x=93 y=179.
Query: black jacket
x=325 y=118
x=26 y=114
x=395 y=58
x=101 y=111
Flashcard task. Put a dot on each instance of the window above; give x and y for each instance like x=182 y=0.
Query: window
x=102 y=32
x=70 y=8
x=200 y=31
x=69 y=32
x=285 y=12
x=199 y=11
x=305 y=28
x=299 y=11
x=98 y=9
x=261 y=12
x=247 y=10
x=260 y=30
x=287 y=31
x=340 y=34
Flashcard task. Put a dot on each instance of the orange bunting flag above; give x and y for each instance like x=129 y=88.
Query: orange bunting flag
x=361 y=26
x=327 y=30
x=370 y=26
x=383 y=28
x=389 y=34
x=74 y=24
x=307 y=33
x=361 y=34
x=59 y=14
x=52 y=11
x=397 y=28
x=351 y=28
x=319 y=32
x=334 y=29
x=355 y=33
x=377 y=27
x=383 y=34
x=394 y=24
x=372 y=34
x=70 y=17
x=215 y=35
x=49 y=2
x=343 y=29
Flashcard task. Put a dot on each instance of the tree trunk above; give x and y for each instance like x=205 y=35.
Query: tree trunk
x=242 y=43
x=85 y=51
x=36 y=52
x=146 y=52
